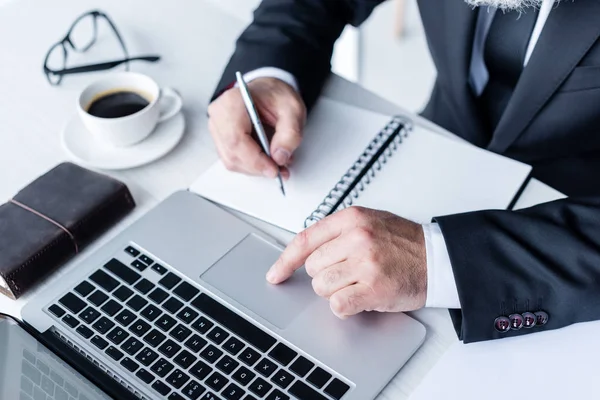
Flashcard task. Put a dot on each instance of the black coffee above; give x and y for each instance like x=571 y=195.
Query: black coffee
x=117 y=104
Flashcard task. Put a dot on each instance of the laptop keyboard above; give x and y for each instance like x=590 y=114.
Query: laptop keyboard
x=181 y=342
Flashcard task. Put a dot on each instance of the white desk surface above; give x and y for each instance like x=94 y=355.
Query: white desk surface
x=195 y=40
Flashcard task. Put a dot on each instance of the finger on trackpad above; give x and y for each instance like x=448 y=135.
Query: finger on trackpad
x=240 y=274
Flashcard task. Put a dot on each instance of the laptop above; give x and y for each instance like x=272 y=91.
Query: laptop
x=177 y=307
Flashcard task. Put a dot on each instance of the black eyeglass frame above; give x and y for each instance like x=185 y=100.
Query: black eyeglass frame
x=95 y=14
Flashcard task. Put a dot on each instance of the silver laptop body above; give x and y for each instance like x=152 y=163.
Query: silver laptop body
x=185 y=285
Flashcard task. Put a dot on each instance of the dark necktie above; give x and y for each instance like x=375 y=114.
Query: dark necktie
x=504 y=53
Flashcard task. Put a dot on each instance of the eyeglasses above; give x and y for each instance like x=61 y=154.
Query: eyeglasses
x=81 y=37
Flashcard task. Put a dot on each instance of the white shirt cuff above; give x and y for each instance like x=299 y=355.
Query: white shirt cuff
x=271 y=72
x=441 y=286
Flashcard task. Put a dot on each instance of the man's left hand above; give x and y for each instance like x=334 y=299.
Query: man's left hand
x=361 y=260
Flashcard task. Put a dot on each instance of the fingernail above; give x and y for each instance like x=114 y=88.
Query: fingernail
x=281 y=156
x=269 y=173
x=271 y=276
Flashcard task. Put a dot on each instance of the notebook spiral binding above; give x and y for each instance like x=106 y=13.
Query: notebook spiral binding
x=364 y=169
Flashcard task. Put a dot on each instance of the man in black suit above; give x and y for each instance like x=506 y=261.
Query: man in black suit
x=525 y=85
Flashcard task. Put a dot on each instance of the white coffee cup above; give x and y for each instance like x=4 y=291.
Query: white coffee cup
x=163 y=104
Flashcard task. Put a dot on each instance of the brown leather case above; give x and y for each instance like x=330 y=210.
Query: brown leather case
x=83 y=202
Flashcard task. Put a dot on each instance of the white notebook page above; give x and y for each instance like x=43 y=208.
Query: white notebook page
x=334 y=136
x=429 y=175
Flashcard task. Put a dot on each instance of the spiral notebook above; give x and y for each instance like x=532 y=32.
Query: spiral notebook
x=351 y=156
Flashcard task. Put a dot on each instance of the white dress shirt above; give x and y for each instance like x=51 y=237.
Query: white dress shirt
x=441 y=285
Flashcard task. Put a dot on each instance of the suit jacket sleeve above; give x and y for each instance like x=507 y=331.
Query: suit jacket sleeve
x=296 y=36
x=543 y=258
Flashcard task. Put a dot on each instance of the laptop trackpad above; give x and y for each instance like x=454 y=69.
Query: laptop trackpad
x=240 y=274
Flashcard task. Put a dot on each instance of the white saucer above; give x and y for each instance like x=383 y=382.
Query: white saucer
x=83 y=147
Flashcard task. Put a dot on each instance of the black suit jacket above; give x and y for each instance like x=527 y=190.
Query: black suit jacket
x=544 y=258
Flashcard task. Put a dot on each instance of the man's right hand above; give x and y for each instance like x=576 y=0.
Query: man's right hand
x=279 y=106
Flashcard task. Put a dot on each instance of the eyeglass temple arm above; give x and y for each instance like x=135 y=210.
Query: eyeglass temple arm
x=103 y=66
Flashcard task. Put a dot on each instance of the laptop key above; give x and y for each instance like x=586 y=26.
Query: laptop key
x=216 y=381
x=129 y=364
x=319 y=377
x=186 y=291
x=249 y=356
x=89 y=315
x=304 y=392
x=133 y=251
x=277 y=395
x=233 y=345
x=202 y=325
x=144 y=286
x=162 y=367
x=84 y=331
x=70 y=320
x=139 y=328
x=282 y=354
x=114 y=353
x=249 y=397
x=159 y=268
x=232 y=321
x=145 y=259
x=72 y=303
x=169 y=281
x=125 y=317
x=132 y=346
x=84 y=288
x=187 y=315
x=180 y=333
x=99 y=342
x=217 y=335
x=172 y=305
x=147 y=356
x=104 y=280
x=260 y=387
x=117 y=335
x=103 y=325
x=154 y=338
x=211 y=353
x=111 y=308
x=122 y=271
x=137 y=302
x=193 y=390
x=265 y=367
x=161 y=388
x=145 y=376
x=98 y=298
x=56 y=310
x=165 y=323
x=123 y=293
x=243 y=376
x=337 y=389
x=200 y=370
x=233 y=392
x=282 y=378
x=227 y=365
x=151 y=312
x=177 y=378
x=195 y=343
x=301 y=366
x=158 y=295
x=169 y=348
x=137 y=264
x=209 y=396
x=175 y=396
x=184 y=359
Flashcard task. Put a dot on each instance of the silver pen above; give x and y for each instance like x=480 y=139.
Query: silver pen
x=258 y=127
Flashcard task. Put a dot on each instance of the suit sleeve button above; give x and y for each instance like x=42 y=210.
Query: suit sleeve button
x=516 y=321
x=541 y=318
x=529 y=320
x=502 y=324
